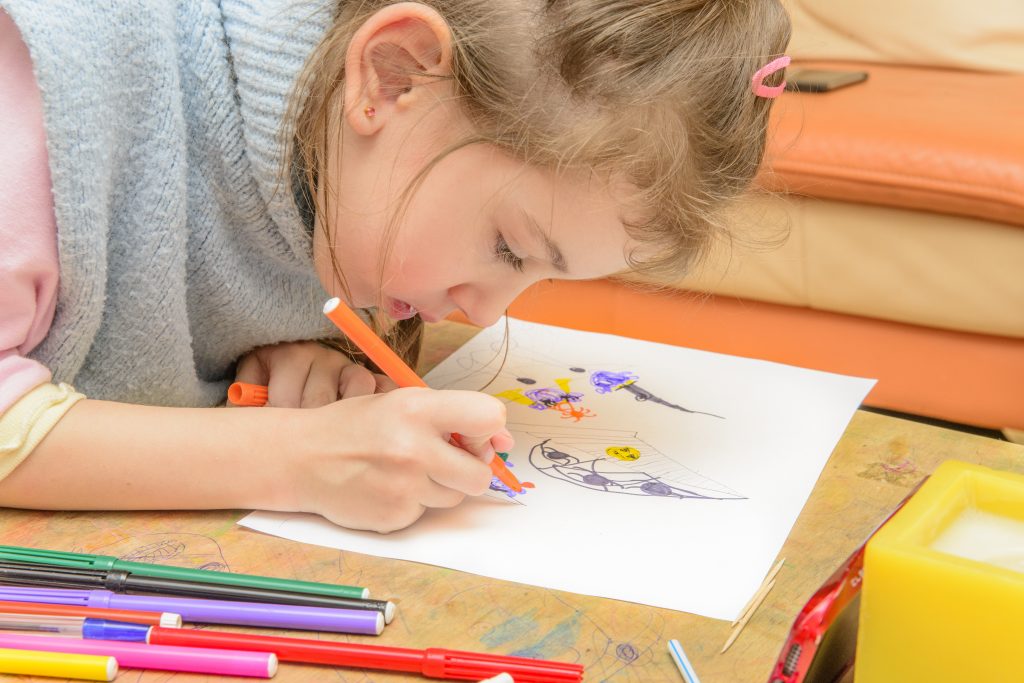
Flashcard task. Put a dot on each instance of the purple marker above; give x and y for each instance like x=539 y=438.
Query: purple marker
x=365 y=622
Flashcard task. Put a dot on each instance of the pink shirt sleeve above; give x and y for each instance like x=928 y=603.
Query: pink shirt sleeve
x=29 y=267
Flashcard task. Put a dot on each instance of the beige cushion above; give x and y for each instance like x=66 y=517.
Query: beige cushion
x=982 y=34
x=913 y=267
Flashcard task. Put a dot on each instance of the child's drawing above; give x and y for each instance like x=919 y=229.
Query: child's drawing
x=562 y=399
x=611 y=461
x=607 y=381
x=615 y=461
x=524 y=366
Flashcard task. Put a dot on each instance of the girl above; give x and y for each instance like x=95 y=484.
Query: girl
x=183 y=186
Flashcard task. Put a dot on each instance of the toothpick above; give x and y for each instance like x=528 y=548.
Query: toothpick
x=758 y=599
x=771 y=575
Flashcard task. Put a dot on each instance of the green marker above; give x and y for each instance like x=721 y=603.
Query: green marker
x=10 y=553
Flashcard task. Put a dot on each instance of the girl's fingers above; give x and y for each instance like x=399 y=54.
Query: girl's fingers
x=439 y=496
x=288 y=381
x=384 y=383
x=321 y=385
x=393 y=520
x=503 y=441
x=474 y=416
x=355 y=380
x=251 y=370
x=453 y=468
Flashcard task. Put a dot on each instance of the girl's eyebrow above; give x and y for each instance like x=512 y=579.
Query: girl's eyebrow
x=555 y=255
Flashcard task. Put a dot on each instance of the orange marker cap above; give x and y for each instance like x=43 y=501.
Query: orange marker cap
x=244 y=394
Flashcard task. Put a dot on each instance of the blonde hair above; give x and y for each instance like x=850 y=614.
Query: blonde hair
x=653 y=92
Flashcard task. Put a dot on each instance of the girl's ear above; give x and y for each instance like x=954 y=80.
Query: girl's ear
x=392 y=55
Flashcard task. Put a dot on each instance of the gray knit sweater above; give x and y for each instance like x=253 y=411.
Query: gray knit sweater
x=179 y=248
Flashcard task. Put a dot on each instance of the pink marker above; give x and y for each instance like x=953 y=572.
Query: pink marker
x=164 y=657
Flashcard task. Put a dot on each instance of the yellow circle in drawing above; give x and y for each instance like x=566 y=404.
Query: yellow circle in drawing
x=623 y=452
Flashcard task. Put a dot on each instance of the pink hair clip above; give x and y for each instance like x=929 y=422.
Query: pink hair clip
x=757 y=81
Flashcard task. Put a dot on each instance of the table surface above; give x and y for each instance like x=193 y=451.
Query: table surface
x=875 y=464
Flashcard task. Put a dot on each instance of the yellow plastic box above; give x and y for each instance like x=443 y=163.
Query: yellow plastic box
x=943 y=593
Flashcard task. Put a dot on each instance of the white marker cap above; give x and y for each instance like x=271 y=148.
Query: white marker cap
x=500 y=678
x=170 y=620
x=271 y=665
x=112 y=668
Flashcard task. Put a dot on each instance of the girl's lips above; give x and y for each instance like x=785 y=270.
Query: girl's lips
x=400 y=310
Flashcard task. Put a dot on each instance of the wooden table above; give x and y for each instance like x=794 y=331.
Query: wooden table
x=875 y=464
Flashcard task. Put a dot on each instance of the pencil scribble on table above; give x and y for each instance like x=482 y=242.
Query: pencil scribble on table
x=626 y=652
x=180 y=549
x=607 y=381
x=902 y=473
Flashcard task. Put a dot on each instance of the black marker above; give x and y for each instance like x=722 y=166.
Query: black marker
x=128 y=583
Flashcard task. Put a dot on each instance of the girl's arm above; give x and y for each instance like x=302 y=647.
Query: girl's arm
x=371 y=462
x=119 y=456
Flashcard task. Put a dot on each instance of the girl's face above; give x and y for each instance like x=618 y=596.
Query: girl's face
x=480 y=228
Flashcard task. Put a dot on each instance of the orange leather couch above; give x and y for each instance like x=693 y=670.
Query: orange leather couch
x=903 y=199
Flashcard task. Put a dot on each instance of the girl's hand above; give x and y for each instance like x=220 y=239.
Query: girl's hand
x=378 y=462
x=308 y=375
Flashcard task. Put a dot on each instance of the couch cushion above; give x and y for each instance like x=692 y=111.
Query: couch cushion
x=929 y=139
x=941 y=271
x=983 y=34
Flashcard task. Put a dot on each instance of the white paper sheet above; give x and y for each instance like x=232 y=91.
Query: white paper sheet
x=728 y=450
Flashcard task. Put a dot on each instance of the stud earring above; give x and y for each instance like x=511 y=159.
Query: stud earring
x=370 y=112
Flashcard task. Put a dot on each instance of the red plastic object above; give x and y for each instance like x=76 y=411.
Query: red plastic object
x=432 y=662
x=132 y=616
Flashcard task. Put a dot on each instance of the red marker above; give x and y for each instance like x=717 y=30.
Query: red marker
x=166 y=619
x=432 y=662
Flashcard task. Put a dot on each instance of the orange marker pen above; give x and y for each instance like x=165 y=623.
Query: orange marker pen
x=395 y=368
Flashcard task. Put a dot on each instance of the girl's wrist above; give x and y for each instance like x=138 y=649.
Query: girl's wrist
x=284 y=457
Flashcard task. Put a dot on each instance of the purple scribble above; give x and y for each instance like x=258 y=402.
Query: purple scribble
x=497 y=485
x=606 y=381
x=549 y=397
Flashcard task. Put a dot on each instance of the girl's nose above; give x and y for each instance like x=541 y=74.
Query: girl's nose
x=485 y=312
x=484 y=306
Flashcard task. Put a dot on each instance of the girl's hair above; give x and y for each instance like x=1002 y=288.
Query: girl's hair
x=653 y=92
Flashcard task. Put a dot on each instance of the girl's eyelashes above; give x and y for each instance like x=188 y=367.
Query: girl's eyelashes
x=506 y=255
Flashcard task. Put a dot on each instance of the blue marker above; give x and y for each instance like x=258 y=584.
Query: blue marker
x=76 y=627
